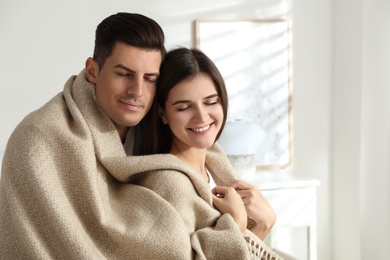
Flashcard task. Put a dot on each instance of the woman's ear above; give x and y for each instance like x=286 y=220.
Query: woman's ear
x=162 y=115
x=91 y=70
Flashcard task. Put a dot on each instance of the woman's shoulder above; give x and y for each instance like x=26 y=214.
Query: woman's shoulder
x=219 y=166
x=178 y=180
x=165 y=176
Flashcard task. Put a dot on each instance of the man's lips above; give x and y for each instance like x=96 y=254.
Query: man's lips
x=131 y=105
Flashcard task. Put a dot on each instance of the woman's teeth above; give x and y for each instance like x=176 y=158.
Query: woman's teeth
x=202 y=129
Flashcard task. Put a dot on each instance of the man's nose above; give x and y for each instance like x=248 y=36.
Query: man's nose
x=135 y=87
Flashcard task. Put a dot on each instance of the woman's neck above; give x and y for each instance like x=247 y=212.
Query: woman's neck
x=195 y=158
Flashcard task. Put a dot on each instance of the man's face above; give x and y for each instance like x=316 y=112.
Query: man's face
x=126 y=85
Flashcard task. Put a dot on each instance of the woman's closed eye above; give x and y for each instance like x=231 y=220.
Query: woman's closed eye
x=182 y=108
x=183 y=105
x=212 y=101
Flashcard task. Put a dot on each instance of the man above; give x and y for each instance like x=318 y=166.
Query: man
x=54 y=181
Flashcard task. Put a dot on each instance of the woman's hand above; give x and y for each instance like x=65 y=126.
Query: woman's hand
x=227 y=200
x=257 y=208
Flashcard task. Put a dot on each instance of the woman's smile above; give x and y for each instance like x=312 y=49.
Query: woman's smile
x=201 y=129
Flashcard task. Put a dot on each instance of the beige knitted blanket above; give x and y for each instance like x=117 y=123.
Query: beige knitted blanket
x=68 y=191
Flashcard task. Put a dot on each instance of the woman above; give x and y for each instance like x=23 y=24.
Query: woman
x=192 y=108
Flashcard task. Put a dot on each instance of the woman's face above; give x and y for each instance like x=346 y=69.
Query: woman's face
x=194 y=113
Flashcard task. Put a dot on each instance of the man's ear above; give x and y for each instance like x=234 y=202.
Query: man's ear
x=162 y=115
x=91 y=70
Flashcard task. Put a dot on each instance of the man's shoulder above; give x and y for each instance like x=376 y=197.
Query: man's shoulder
x=50 y=115
x=51 y=108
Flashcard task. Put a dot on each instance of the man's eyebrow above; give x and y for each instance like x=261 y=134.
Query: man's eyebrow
x=121 y=66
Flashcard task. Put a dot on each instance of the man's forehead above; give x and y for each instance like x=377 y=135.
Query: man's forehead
x=136 y=59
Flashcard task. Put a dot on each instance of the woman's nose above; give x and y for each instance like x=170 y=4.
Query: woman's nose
x=201 y=114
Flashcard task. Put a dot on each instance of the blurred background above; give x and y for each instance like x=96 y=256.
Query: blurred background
x=340 y=91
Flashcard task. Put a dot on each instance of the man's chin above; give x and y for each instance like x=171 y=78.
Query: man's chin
x=132 y=123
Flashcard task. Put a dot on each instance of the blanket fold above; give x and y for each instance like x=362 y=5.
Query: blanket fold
x=68 y=191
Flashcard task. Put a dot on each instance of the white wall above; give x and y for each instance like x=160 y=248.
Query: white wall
x=340 y=91
x=347 y=91
x=361 y=129
x=375 y=182
x=312 y=87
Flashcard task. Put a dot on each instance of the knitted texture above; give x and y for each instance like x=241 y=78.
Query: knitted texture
x=68 y=191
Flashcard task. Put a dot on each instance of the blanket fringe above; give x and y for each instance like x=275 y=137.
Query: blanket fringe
x=259 y=252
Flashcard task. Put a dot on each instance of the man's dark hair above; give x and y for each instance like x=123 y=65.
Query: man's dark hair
x=133 y=29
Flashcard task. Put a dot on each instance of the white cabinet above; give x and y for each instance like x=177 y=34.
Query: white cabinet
x=294 y=200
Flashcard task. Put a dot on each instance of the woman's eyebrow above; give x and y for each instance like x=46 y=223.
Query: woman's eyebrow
x=211 y=96
x=180 y=102
x=183 y=101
